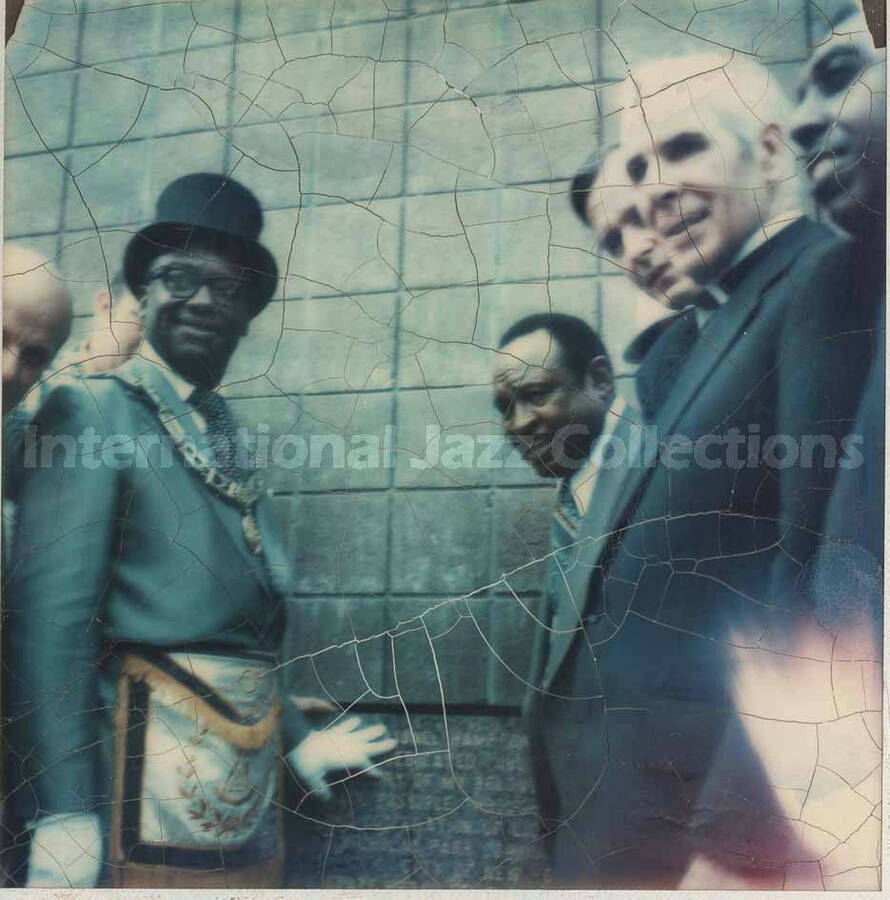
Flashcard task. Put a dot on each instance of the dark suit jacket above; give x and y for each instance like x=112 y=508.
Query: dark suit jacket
x=636 y=698
x=833 y=350
x=558 y=624
x=105 y=556
x=843 y=576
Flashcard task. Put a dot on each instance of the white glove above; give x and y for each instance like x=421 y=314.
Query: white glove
x=339 y=747
x=66 y=852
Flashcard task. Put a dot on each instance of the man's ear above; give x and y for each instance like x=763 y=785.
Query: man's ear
x=599 y=377
x=772 y=148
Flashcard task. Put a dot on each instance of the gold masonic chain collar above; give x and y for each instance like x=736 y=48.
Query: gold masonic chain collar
x=244 y=494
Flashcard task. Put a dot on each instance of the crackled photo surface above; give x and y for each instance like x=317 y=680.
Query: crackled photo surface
x=443 y=444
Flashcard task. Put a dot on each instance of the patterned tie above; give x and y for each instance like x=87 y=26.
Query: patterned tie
x=220 y=434
x=567 y=513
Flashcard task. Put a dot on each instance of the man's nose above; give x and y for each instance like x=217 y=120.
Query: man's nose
x=226 y=312
x=202 y=299
x=639 y=243
x=204 y=304
x=808 y=128
x=520 y=419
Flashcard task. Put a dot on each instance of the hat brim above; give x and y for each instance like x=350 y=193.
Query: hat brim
x=166 y=237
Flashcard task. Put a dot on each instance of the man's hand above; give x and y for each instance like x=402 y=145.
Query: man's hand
x=344 y=746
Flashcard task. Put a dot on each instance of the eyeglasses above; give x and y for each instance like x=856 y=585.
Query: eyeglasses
x=183 y=282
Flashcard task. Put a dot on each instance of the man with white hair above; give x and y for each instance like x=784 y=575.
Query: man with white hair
x=701 y=161
x=698 y=178
x=651 y=763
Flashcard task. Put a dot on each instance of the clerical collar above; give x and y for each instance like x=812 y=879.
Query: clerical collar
x=719 y=288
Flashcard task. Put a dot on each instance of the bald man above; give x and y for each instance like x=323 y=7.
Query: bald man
x=36 y=321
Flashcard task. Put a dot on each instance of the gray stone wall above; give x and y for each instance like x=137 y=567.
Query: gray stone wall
x=412 y=157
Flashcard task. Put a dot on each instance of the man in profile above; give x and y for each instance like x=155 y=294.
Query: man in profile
x=36 y=321
x=832 y=384
x=645 y=684
x=840 y=127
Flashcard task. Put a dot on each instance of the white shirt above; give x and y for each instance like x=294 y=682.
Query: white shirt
x=758 y=236
x=582 y=481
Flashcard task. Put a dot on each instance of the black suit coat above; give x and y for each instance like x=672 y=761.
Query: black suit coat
x=558 y=625
x=832 y=382
x=637 y=697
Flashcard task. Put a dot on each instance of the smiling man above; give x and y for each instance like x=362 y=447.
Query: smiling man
x=840 y=125
x=656 y=781
x=837 y=375
x=699 y=177
x=554 y=389
x=150 y=593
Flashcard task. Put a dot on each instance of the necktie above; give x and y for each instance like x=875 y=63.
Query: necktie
x=567 y=511
x=220 y=434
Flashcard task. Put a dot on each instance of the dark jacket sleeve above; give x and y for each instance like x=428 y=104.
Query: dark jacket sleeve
x=60 y=569
x=828 y=348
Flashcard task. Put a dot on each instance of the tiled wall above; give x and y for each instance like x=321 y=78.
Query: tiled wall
x=412 y=159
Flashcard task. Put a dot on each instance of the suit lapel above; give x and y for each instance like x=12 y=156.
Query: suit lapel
x=764 y=266
x=277 y=561
x=570 y=597
x=662 y=361
x=138 y=371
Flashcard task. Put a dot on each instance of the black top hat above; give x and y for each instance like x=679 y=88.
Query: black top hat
x=201 y=210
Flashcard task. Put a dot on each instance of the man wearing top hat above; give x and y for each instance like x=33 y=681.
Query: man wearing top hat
x=149 y=587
